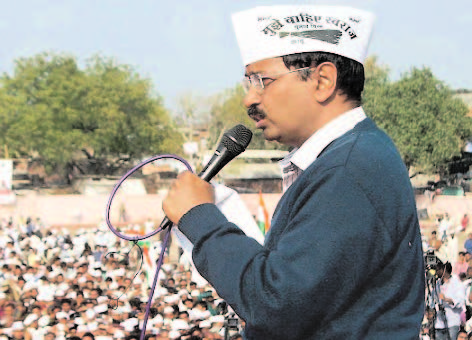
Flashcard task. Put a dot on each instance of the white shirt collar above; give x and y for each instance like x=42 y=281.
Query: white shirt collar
x=313 y=146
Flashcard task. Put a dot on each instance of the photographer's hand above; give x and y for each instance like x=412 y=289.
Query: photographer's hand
x=445 y=299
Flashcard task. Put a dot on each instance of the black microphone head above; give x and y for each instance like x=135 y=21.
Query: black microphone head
x=237 y=139
x=233 y=142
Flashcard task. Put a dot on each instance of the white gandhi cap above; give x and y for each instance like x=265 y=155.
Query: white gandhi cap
x=274 y=31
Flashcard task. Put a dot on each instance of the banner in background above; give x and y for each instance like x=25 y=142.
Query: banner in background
x=6 y=177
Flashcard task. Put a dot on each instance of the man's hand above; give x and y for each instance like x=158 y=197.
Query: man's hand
x=445 y=299
x=186 y=192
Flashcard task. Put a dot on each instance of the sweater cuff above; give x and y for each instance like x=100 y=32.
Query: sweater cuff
x=200 y=221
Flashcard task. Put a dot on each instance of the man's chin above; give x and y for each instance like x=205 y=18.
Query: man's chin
x=271 y=137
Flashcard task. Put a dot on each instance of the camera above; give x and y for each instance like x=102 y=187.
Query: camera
x=232 y=322
x=430 y=259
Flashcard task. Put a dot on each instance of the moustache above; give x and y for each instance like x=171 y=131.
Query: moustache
x=255 y=114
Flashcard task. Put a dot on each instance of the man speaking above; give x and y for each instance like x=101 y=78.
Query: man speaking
x=343 y=257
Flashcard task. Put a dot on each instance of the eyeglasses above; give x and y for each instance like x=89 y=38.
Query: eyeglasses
x=259 y=82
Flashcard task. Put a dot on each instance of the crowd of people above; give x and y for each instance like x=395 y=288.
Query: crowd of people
x=448 y=261
x=58 y=285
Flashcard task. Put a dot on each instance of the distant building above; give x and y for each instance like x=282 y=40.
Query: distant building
x=252 y=171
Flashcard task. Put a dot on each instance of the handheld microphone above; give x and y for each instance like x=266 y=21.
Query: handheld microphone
x=233 y=143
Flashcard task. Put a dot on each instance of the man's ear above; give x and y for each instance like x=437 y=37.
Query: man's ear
x=326 y=76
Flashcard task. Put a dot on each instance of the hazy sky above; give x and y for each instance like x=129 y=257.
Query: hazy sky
x=189 y=46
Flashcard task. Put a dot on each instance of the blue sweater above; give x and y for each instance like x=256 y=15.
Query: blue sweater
x=343 y=258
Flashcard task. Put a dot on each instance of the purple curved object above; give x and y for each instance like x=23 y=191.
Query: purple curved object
x=143 y=237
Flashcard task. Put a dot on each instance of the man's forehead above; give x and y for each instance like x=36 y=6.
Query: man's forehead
x=271 y=65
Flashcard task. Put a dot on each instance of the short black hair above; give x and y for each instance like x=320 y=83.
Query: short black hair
x=68 y=301
x=351 y=75
x=89 y=334
x=448 y=267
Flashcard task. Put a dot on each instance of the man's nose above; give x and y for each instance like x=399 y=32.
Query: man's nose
x=252 y=97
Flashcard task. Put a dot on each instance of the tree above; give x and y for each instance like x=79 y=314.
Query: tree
x=53 y=110
x=428 y=125
x=192 y=110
